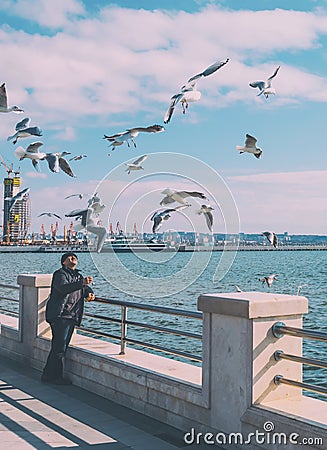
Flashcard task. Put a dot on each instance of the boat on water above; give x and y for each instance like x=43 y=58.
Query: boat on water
x=125 y=244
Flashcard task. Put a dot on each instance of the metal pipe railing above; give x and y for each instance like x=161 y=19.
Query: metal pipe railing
x=279 y=379
x=279 y=354
x=125 y=323
x=279 y=329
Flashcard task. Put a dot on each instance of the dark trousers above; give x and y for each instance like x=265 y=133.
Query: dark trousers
x=62 y=330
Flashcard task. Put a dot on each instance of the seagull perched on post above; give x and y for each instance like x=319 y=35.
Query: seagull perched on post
x=272 y=238
x=206 y=211
x=189 y=93
x=269 y=280
x=13 y=200
x=130 y=134
x=4 y=102
x=265 y=86
x=158 y=217
x=136 y=165
x=250 y=146
x=179 y=196
x=22 y=130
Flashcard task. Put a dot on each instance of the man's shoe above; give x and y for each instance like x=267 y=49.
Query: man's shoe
x=61 y=381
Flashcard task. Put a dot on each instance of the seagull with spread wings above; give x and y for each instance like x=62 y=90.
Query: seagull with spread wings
x=206 y=211
x=4 y=102
x=49 y=214
x=269 y=280
x=32 y=152
x=136 y=165
x=57 y=161
x=179 y=196
x=131 y=134
x=77 y=158
x=250 y=146
x=189 y=93
x=158 y=217
x=18 y=197
x=272 y=237
x=23 y=130
x=265 y=87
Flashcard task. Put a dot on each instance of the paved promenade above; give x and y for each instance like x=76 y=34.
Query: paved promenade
x=40 y=416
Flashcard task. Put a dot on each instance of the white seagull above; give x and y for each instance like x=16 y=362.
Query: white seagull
x=158 y=217
x=136 y=165
x=130 y=134
x=78 y=157
x=4 y=103
x=13 y=200
x=32 y=152
x=179 y=196
x=189 y=92
x=206 y=211
x=265 y=87
x=272 y=238
x=80 y=196
x=87 y=221
x=250 y=146
x=22 y=130
x=49 y=214
x=269 y=280
x=57 y=160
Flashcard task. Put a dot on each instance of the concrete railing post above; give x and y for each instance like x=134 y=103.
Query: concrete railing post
x=239 y=348
x=34 y=290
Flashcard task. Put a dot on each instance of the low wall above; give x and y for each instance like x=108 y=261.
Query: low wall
x=232 y=398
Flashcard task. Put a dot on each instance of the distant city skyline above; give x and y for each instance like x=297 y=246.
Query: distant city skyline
x=84 y=69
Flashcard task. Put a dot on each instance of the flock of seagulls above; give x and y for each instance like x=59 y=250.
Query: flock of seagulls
x=57 y=161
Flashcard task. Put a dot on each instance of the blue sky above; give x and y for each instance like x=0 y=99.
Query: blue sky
x=84 y=69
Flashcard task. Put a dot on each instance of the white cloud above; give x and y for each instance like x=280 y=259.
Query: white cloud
x=290 y=201
x=48 y=14
x=126 y=61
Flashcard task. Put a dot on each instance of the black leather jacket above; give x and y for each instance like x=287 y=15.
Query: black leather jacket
x=67 y=295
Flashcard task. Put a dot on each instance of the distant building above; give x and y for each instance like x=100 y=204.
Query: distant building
x=16 y=223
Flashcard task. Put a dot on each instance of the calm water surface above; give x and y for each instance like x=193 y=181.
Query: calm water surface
x=293 y=268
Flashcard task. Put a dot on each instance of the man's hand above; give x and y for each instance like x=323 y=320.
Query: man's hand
x=87 y=280
x=90 y=297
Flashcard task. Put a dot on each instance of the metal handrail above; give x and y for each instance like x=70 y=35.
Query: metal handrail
x=9 y=286
x=124 y=322
x=279 y=379
x=279 y=354
x=279 y=329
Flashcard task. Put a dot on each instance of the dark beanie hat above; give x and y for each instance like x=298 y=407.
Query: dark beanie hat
x=65 y=256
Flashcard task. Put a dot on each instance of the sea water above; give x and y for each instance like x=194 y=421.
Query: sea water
x=138 y=277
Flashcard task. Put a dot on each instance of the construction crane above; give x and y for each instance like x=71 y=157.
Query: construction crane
x=9 y=169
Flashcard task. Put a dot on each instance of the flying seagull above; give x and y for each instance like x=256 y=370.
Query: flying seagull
x=136 y=165
x=265 y=87
x=57 y=160
x=189 y=93
x=272 y=238
x=269 y=280
x=80 y=196
x=179 y=196
x=78 y=157
x=238 y=289
x=22 y=130
x=299 y=288
x=206 y=210
x=49 y=214
x=158 y=217
x=130 y=134
x=32 y=152
x=4 y=103
x=18 y=197
x=87 y=221
x=250 y=146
